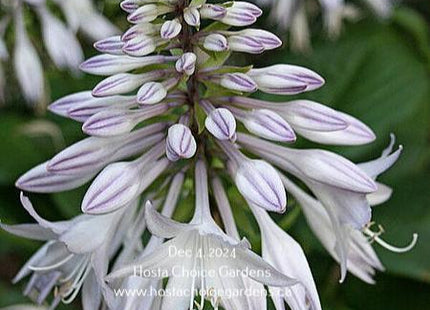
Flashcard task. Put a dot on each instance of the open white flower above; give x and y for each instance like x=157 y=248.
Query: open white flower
x=198 y=270
x=76 y=254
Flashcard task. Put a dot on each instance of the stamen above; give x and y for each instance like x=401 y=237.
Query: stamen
x=54 y=266
x=196 y=242
x=77 y=286
x=74 y=271
x=374 y=236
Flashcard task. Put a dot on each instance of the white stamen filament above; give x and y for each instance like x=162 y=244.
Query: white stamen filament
x=53 y=266
x=74 y=271
x=374 y=236
x=77 y=284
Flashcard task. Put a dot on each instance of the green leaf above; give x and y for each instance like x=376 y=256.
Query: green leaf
x=416 y=25
x=200 y=116
x=231 y=69
x=216 y=90
x=197 y=2
x=22 y=151
x=216 y=59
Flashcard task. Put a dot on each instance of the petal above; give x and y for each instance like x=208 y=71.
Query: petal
x=162 y=226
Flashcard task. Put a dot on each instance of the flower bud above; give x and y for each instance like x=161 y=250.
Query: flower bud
x=241 y=14
x=129 y=5
x=94 y=153
x=247 y=7
x=286 y=79
x=260 y=183
x=239 y=82
x=356 y=133
x=113 y=64
x=221 y=123
x=40 y=180
x=84 y=110
x=116 y=122
x=266 y=38
x=245 y=44
x=140 y=29
x=170 y=29
x=212 y=11
x=139 y=46
x=215 y=42
x=192 y=16
x=121 y=83
x=112 y=45
x=180 y=143
x=187 y=63
x=119 y=183
x=312 y=116
x=268 y=124
x=62 y=105
x=151 y=93
x=144 y=14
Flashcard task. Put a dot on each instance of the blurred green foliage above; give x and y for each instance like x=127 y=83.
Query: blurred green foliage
x=378 y=72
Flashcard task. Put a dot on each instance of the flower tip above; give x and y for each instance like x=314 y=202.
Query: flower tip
x=22 y=183
x=180 y=143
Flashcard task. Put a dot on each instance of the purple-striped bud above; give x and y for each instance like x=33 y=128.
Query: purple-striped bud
x=269 y=125
x=192 y=16
x=180 y=143
x=248 y=7
x=222 y=124
x=94 y=153
x=139 y=46
x=215 y=42
x=286 y=79
x=116 y=122
x=40 y=180
x=245 y=44
x=321 y=124
x=151 y=93
x=331 y=169
x=260 y=183
x=122 y=83
x=113 y=64
x=212 y=11
x=147 y=13
x=112 y=45
x=120 y=183
x=266 y=38
x=130 y=5
x=312 y=116
x=82 y=105
x=62 y=105
x=170 y=29
x=82 y=111
x=238 y=82
x=241 y=14
x=140 y=29
x=187 y=63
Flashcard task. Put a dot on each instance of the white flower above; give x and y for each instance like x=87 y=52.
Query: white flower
x=286 y=255
x=60 y=42
x=76 y=254
x=27 y=64
x=199 y=269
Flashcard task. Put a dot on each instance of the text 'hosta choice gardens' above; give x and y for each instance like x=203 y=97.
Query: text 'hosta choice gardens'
x=172 y=121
